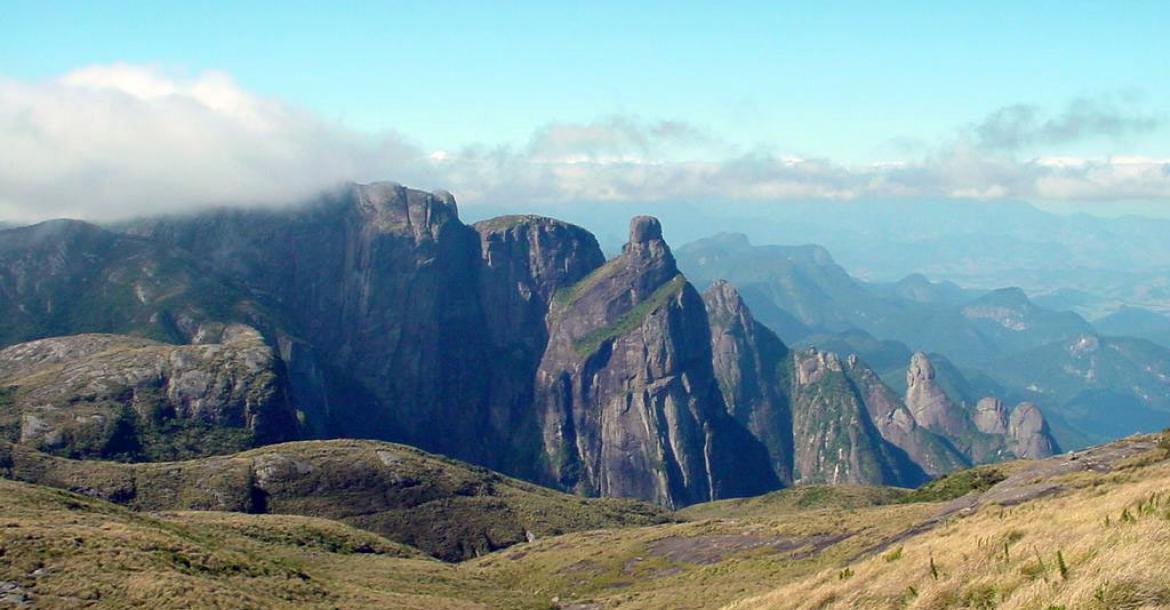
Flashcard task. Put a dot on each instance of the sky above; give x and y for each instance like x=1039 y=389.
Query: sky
x=110 y=109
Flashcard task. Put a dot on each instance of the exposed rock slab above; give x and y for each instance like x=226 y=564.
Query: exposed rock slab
x=115 y=396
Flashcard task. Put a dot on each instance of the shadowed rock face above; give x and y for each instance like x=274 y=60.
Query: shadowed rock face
x=628 y=399
x=376 y=278
x=526 y=259
x=397 y=321
x=114 y=396
x=752 y=366
x=393 y=320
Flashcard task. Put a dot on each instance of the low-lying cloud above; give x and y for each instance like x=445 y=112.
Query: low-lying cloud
x=114 y=141
x=1023 y=125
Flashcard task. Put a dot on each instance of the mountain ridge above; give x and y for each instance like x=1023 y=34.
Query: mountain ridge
x=511 y=343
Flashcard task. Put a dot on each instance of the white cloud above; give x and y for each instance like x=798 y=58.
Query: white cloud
x=120 y=140
x=112 y=141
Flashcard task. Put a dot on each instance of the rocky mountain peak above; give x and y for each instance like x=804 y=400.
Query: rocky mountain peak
x=391 y=207
x=447 y=199
x=646 y=247
x=991 y=416
x=629 y=403
x=723 y=299
x=927 y=401
x=644 y=229
x=1028 y=434
x=538 y=253
x=812 y=365
x=920 y=372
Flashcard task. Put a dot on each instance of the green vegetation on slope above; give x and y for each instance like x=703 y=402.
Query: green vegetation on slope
x=567 y=296
x=631 y=319
x=957 y=484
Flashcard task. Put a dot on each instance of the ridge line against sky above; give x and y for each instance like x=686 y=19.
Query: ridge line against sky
x=126 y=109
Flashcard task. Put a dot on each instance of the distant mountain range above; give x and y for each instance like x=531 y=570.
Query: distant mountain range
x=1095 y=385
x=375 y=312
x=1088 y=264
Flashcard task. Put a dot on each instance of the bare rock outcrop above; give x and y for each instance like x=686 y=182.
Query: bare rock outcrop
x=627 y=395
x=125 y=397
x=991 y=417
x=1028 y=434
x=750 y=364
x=929 y=404
x=984 y=433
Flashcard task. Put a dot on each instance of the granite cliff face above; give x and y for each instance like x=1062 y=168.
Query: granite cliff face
x=113 y=396
x=525 y=260
x=928 y=402
x=374 y=312
x=378 y=280
x=931 y=452
x=984 y=433
x=822 y=419
x=389 y=318
x=837 y=440
x=991 y=417
x=626 y=391
x=1028 y=434
x=754 y=372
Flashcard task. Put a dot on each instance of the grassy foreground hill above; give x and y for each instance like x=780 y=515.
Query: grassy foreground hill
x=1086 y=530
x=449 y=509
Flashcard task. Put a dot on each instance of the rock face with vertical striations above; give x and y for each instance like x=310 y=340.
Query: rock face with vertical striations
x=894 y=421
x=822 y=419
x=990 y=416
x=379 y=279
x=627 y=395
x=927 y=401
x=526 y=259
x=753 y=367
x=837 y=441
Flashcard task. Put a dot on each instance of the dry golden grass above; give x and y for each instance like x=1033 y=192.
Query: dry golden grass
x=1103 y=545
x=1101 y=540
x=728 y=552
x=68 y=551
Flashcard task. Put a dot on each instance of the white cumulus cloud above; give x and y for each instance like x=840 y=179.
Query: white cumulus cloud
x=120 y=140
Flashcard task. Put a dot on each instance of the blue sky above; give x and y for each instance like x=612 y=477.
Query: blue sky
x=851 y=83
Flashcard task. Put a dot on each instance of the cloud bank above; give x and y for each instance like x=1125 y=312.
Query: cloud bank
x=120 y=140
x=114 y=141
